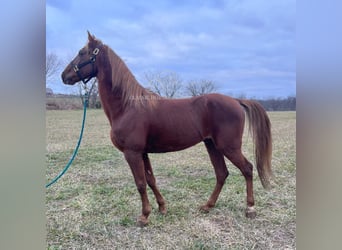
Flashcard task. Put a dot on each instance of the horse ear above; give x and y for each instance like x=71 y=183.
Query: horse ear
x=91 y=37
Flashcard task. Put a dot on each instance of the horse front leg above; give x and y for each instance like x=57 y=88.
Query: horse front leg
x=151 y=181
x=136 y=163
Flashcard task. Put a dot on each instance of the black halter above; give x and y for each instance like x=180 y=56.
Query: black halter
x=91 y=61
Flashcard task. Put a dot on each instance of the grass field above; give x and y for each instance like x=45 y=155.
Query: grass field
x=95 y=204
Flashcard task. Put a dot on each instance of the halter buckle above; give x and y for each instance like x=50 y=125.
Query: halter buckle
x=96 y=51
x=76 y=69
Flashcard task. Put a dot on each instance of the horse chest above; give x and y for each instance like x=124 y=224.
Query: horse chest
x=126 y=138
x=117 y=139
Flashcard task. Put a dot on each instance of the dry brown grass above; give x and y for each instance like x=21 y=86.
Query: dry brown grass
x=94 y=206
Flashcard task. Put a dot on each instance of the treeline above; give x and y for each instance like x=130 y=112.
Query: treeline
x=279 y=104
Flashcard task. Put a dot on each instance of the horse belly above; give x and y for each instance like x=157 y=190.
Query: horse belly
x=170 y=141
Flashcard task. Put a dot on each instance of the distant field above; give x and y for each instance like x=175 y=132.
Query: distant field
x=95 y=204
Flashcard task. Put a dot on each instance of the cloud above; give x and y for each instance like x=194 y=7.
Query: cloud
x=228 y=41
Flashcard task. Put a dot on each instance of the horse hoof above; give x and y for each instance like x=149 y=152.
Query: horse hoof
x=142 y=221
x=250 y=212
x=205 y=208
x=163 y=210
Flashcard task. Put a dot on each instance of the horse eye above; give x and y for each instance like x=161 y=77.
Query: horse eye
x=81 y=53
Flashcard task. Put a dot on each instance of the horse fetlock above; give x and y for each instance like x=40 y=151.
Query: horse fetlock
x=146 y=210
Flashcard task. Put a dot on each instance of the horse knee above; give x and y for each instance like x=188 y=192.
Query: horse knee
x=141 y=187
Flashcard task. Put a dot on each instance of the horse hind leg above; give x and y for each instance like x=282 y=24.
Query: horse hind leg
x=246 y=168
x=221 y=172
x=151 y=181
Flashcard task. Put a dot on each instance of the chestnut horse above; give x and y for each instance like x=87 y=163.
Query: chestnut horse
x=142 y=122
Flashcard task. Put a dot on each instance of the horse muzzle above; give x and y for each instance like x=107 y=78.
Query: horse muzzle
x=67 y=79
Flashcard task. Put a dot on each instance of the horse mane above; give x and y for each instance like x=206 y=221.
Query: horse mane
x=125 y=85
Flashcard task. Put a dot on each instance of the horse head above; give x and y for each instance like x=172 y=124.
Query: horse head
x=83 y=67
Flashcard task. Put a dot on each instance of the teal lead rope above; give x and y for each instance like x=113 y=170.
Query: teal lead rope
x=85 y=103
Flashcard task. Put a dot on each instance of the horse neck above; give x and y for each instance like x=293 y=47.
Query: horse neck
x=112 y=105
x=113 y=79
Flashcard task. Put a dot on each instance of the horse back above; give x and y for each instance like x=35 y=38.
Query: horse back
x=176 y=124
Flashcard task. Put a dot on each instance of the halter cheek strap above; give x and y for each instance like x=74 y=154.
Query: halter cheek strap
x=91 y=61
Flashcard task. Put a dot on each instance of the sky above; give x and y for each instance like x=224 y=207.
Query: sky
x=246 y=47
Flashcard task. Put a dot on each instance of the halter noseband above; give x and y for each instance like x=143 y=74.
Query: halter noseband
x=91 y=61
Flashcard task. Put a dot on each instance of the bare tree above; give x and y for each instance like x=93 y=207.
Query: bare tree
x=93 y=93
x=53 y=65
x=201 y=87
x=166 y=84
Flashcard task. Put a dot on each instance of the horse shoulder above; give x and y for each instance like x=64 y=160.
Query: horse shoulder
x=129 y=131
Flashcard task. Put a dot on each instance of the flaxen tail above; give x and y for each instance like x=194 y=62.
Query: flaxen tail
x=260 y=128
